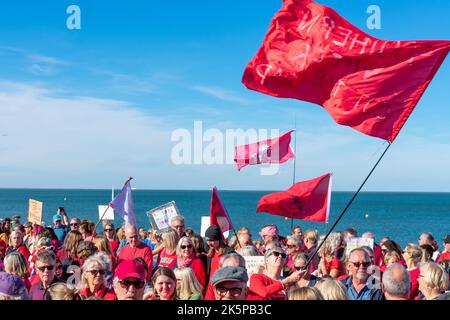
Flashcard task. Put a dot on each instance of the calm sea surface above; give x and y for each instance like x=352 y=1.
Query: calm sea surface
x=402 y=216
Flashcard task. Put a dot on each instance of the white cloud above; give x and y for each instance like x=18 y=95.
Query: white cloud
x=221 y=94
x=73 y=141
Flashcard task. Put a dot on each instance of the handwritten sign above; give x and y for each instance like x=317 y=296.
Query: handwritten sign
x=254 y=264
x=160 y=217
x=355 y=242
x=109 y=215
x=35 y=211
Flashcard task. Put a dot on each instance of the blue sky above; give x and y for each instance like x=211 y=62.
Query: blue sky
x=88 y=108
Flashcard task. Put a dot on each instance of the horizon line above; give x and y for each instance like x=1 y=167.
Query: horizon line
x=208 y=190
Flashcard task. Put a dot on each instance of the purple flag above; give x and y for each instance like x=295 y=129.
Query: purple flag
x=123 y=204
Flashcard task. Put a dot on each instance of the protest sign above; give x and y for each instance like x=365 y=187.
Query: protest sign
x=35 y=211
x=355 y=242
x=160 y=217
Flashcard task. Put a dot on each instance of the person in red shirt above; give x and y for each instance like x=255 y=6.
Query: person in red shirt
x=168 y=255
x=412 y=256
x=186 y=257
x=110 y=234
x=136 y=249
x=270 y=285
x=70 y=246
x=16 y=244
x=217 y=249
x=329 y=264
x=93 y=279
x=445 y=255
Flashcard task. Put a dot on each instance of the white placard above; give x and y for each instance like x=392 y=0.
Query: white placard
x=355 y=242
x=205 y=223
x=109 y=215
x=254 y=264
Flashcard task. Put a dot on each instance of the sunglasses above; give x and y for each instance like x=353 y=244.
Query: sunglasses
x=300 y=268
x=358 y=264
x=108 y=230
x=74 y=224
x=179 y=227
x=95 y=272
x=189 y=246
x=291 y=246
x=125 y=284
x=277 y=254
x=235 y=292
x=49 y=268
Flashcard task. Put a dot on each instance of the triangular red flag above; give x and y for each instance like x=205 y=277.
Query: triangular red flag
x=275 y=150
x=307 y=200
x=218 y=214
x=311 y=53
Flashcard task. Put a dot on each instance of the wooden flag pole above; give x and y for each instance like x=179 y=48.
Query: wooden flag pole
x=348 y=205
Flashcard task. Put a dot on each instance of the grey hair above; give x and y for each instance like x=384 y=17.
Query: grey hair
x=45 y=256
x=180 y=243
x=233 y=255
x=247 y=251
x=179 y=218
x=43 y=242
x=295 y=239
x=395 y=286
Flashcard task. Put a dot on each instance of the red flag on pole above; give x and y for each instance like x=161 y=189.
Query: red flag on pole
x=311 y=53
x=276 y=150
x=218 y=214
x=307 y=200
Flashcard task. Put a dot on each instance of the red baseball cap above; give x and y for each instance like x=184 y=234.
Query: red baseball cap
x=130 y=269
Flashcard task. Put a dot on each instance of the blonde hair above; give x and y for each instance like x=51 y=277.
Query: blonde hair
x=415 y=252
x=60 y=291
x=94 y=260
x=170 y=240
x=312 y=236
x=15 y=263
x=103 y=245
x=332 y=289
x=20 y=234
x=189 y=284
x=120 y=234
x=305 y=293
x=71 y=242
x=434 y=276
x=389 y=255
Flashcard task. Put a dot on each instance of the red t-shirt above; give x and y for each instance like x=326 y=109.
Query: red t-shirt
x=199 y=269
x=3 y=247
x=266 y=287
x=414 y=277
x=114 y=246
x=443 y=256
x=140 y=251
x=334 y=263
x=104 y=293
x=166 y=259
x=22 y=249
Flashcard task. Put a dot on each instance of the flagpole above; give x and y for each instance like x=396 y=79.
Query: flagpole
x=95 y=229
x=237 y=238
x=348 y=205
x=295 y=157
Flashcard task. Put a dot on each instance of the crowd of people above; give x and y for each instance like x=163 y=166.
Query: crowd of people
x=71 y=261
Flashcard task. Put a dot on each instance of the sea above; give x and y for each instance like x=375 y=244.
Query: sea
x=402 y=216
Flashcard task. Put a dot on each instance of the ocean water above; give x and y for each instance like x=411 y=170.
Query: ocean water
x=401 y=216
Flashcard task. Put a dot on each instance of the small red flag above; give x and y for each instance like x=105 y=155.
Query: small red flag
x=276 y=150
x=218 y=214
x=311 y=53
x=307 y=200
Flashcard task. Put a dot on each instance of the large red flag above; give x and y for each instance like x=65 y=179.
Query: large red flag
x=311 y=53
x=218 y=214
x=307 y=200
x=276 y=150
